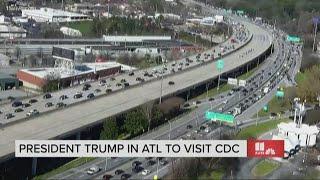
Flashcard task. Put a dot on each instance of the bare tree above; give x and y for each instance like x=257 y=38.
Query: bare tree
x=147 y=110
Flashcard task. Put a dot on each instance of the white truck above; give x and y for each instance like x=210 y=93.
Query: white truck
x=236 y=111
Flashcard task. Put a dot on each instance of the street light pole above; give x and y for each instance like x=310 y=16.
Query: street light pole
x=160 y=99
x=169 y=130
x=106 y=164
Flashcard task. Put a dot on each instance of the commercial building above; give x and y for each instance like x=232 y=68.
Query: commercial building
x=8 y=82
x=136 y=40
x=11 y=32
x=37 y=78
x=53 y=15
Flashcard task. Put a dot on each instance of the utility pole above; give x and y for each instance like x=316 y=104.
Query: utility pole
x=315 y=36
x=160 y=99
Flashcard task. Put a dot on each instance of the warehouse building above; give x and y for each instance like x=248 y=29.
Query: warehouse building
x=53 y=15
x=11 y=32
x=37 y=78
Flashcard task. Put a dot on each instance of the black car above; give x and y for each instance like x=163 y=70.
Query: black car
x=118 y=171
x=60 y=105
x=202 y=128
x=1 y=112
x=136 y=163
x=103 y=81
x=18 y=110
x=85 y=88
x=112 y=79
x=48 y=104
x=171 y=83
x=63 y=97
x=31 y=101
x=125 y=176
x=77 y=96
x=131 y=74
x=189 y=126
x=90 y=95
x=11 y=98
x=108 y=90
x=123 y=80
x=87 y=85
x=47 y=96
x=211 y=99
x=126 y=84
x=137 y=169
x=25 y=105
x=107 y=176
x=16 y=104
x=146 y=74
x=118 y=84
x=151 y=162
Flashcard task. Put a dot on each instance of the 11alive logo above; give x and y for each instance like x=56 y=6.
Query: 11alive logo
x=265 y=148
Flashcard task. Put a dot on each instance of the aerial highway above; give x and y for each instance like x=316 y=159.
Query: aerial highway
x=69 y=120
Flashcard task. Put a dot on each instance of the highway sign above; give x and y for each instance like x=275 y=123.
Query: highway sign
x=280 y=94
x=232 y=81
x=220 y=64
x=219 y=117
x=294 y=39
x=242 y=83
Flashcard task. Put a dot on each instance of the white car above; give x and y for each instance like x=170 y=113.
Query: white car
x=93 y=170
x=33 y=112
x=145 y=172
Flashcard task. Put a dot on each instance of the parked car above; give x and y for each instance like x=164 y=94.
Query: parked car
x=171 y=83
x=47 y=96
x=33 y=112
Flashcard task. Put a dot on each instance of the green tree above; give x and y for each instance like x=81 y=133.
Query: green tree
x=110 y=129
x=136 y=122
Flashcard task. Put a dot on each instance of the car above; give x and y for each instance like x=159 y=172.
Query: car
x=16 y=104
x=151 y=162
x=102 y=82
x=131 y=73
x=108 y=90
x=8 y=116
x=198 y=102
x=77 y=95
x=93 y=170
x=48 y=104
x=189 y=126
x=187 y=64
x=179 y=68
x=33 y=112
x=60 y=105
x=47 y=96
x=87 y=85
x=107 y=176
x=118 y=172
x=211 y=99
x=85 y=88
x=171 y=83
x=31 y=101
x=202 y=128
x=63 y=97
x=118 y=84
x=138 y=79
x=1 y=112
x=146 y=74
x=125 y=176
x=163 y=162
x=145 y=172
x=11 y=98
x=123 y=80
x=126 y=84
x=25 y=105
x=18 y=110
x=136 y=163
x=90 y=95
x=112 y=79
x=137 y=169
x=97 y=90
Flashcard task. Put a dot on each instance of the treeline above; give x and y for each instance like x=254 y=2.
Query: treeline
x=309 y=84
x=140 y=119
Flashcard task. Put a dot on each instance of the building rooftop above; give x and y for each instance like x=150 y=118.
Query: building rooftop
x=79 y=70
x=304 y=129
x=53 y=12
x=11 y=29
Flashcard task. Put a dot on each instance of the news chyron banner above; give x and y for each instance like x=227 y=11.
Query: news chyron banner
x=149 y=148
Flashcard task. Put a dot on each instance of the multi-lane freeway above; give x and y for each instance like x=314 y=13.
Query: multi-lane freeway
x=74 y=118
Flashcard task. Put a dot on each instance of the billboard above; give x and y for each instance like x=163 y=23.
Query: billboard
x=62 y=53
